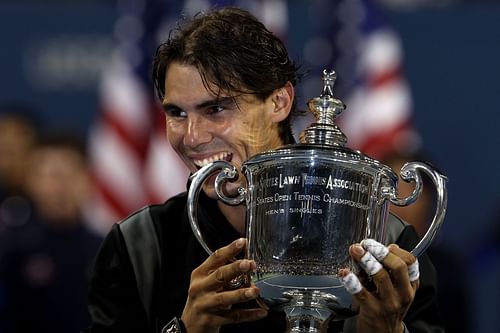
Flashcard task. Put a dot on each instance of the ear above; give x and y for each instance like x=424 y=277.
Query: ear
x=281 y=102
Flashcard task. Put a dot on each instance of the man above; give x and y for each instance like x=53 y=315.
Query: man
x=46 y=254
x=227 y=88
x=18 y=136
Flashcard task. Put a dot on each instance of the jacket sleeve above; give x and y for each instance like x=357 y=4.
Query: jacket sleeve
x=423 y=315
x=114 y=303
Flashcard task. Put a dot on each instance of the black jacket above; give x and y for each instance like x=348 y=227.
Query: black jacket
x=116 y=304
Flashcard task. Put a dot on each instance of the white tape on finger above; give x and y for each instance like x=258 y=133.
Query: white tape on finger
x=351 y=283
x=414 y=271
x=370 y=265
x=379 y=250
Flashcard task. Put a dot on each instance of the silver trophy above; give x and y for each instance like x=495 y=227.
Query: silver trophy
x=306 y=204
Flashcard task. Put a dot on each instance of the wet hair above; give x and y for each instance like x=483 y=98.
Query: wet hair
x=233 y=52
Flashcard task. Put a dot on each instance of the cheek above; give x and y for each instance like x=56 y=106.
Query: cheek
x=175 y=132
x=259 y=131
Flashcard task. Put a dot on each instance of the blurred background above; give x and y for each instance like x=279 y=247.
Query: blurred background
x=82 y=143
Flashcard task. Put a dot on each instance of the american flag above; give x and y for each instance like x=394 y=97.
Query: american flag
x=352 y=37
x=132 y=161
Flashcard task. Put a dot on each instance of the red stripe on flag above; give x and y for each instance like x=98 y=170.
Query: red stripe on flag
x=113 y=204
x=135 y=142
x=375 y=80
x=158 y=118
x=382 y=144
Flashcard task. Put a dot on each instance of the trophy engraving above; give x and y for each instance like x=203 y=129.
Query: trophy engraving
x=306 y=204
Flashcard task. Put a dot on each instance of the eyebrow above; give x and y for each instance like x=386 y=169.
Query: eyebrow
x=215 y=101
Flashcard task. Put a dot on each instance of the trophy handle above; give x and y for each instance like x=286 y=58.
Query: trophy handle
x=410 y=172
x=229 y=172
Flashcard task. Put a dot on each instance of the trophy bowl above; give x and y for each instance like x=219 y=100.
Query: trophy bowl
x=306 y=204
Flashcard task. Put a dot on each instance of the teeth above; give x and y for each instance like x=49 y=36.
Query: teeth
x=216 y=157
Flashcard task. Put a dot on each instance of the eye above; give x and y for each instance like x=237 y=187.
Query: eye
x=214 y=109
x=175 y=112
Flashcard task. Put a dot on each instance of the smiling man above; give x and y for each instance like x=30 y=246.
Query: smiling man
x=227 y=88
x=205 y=125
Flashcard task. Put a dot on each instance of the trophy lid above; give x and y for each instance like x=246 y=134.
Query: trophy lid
x=326 y=109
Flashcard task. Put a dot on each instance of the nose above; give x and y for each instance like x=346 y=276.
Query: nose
x=198 y=131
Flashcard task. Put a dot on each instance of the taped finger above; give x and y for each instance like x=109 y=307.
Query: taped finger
x=369 y=264
x=378 y=250
x=351 y=283
x=414 y=271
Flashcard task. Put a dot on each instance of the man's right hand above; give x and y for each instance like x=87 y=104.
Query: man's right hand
x=210 y=300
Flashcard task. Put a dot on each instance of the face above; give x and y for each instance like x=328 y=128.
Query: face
x=203 y=127
x=57 y=182
x=16 y=142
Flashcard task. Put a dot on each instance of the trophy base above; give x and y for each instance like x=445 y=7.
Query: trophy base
x=307 y=311
x=309 y=302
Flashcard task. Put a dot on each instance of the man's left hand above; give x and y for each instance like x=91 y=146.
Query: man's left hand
x=388 y=289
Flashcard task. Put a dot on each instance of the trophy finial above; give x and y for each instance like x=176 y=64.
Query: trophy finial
x=325 y=108
x=329 y=78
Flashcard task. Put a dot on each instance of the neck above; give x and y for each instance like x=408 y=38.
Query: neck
x=235 y=215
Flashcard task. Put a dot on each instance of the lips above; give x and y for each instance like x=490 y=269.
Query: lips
x=227 y=156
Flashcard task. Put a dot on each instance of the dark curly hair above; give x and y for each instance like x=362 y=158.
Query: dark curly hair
x=233 y=52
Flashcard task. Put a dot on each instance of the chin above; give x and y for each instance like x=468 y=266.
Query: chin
x=209 y=191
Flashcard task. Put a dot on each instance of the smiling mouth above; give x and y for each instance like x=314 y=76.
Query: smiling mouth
x=226 y=156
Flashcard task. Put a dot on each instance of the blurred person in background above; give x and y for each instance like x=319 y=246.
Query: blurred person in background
x=44 y=262
x=18 y=136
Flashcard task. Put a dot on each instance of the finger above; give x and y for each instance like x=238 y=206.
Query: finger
x=406 y=256
x=365 y=259
x=350 y=281
x=412 y=263
x=398 y=268
x=414 y=271
x=354 y=287
x=223 y=276
x=378 y=250
x=223 y=301
x=380 y=277
x=225 y=254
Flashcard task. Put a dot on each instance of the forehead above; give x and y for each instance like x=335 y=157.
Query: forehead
x=184 y=83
